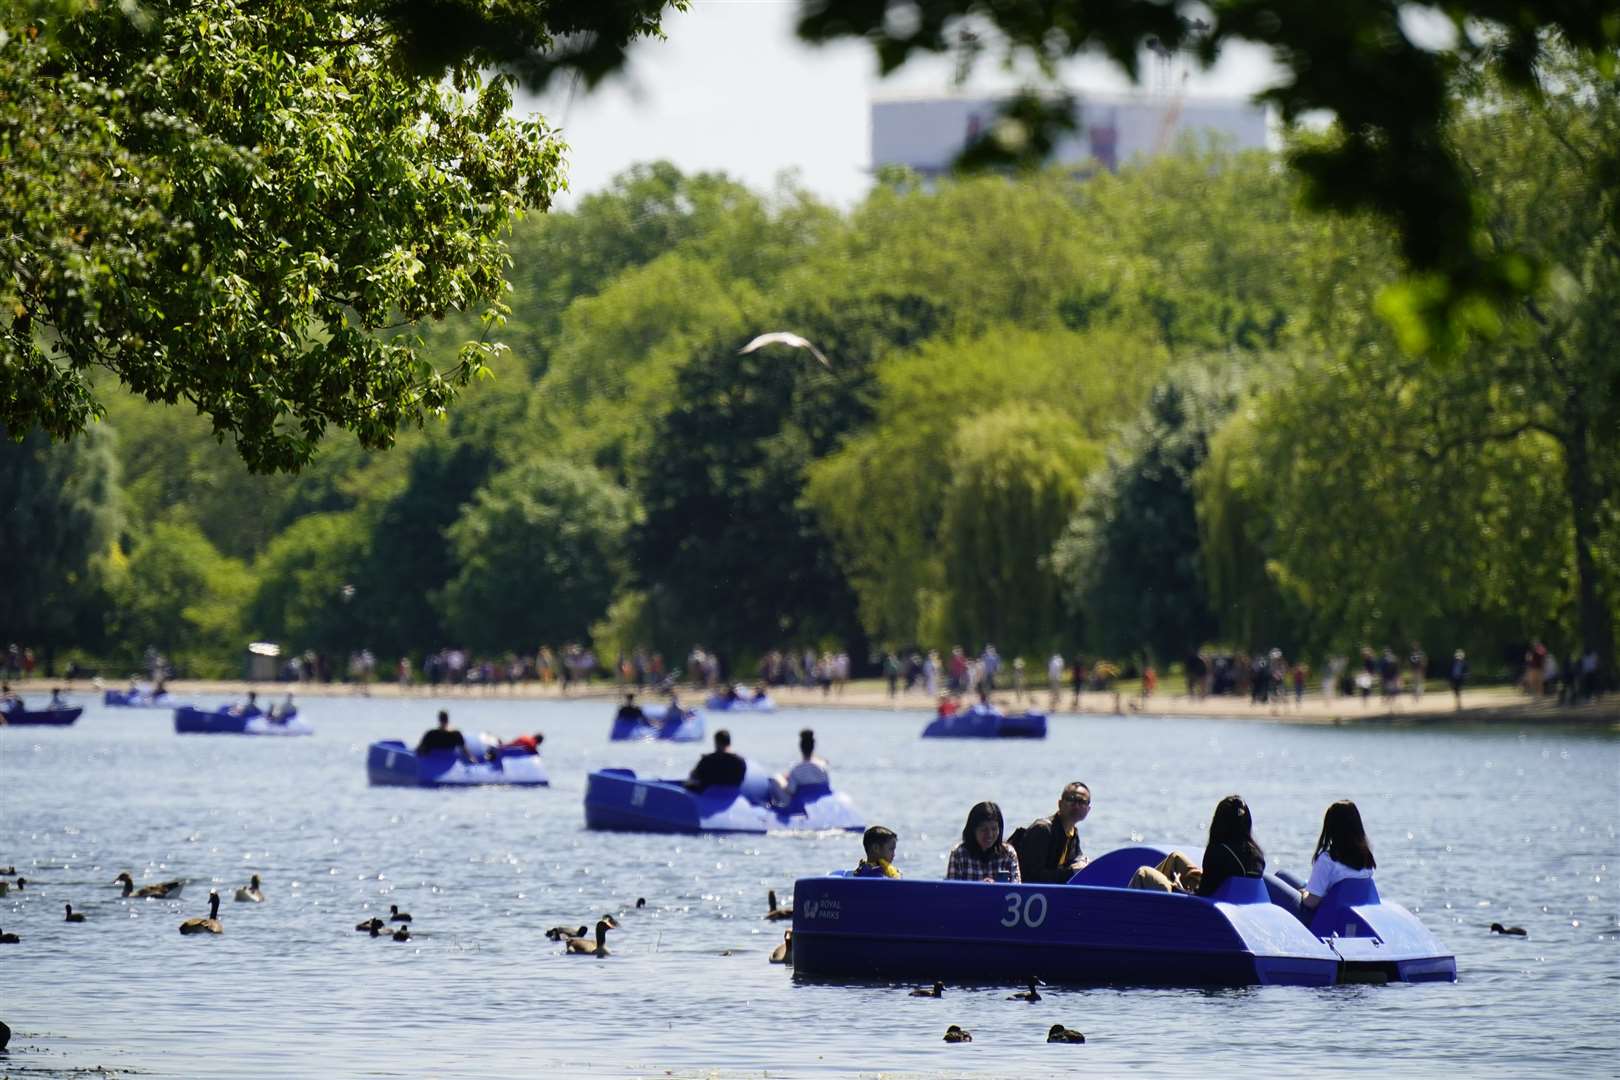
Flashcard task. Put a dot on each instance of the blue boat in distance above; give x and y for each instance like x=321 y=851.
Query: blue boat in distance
x=40 y=717
x=617 y=799
x=725 y=703
x=980 y=721
x=136 y=699
x=391 y=763
x=1095 y=931
x=194 y=721
x=689 y=728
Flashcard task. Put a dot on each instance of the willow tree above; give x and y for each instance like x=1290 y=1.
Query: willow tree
x=1017 y=475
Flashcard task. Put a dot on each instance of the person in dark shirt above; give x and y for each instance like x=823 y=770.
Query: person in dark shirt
x=442 y=738
x=719 y=769
x=630 y=711
x=1049 y=847
x=1231 y=851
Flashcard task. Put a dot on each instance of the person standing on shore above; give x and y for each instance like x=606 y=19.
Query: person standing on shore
x=1419 y=663
x=1458 y=675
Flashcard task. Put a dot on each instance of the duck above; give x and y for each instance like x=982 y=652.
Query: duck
x=937 y=990
x=73 y=916
x=772 y=912
x=558 y=933
x=402 y=934
x=9 y=939
x=1061 y=1034
x=373 y=925
x=22 y=883
x=5 y=1036
x=209 y=925
x=396 y=915
x=783 y=953
x=377 y=927
x=159 y=891
x=582 y=946
x=955 y=1034
x=641 y=901
x=1031 y=995
x=1511 y=931
x=250 y=892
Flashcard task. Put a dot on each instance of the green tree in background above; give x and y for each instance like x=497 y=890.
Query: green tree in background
x=1017 y=476
x=537 y=556
x=60 y=515
x=248 y=201
x=1131 y=557
x=305 y=594
x=183 y=598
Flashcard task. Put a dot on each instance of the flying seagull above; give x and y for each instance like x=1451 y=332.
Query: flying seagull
x=782 y=337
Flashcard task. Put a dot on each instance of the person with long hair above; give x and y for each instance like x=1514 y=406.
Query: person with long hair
x=1231 y=852
x=1342 y=851
x=982 y=854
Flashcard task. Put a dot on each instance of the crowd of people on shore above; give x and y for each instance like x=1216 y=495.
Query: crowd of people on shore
x=1266 y=677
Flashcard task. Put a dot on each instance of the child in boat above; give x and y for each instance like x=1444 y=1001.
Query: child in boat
x=879 y=843
x=1342 y=851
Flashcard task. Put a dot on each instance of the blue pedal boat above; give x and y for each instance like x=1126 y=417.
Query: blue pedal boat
x=987 y=722
x=40 y=717
x=136 y=699
x=617 y=799
x=688 y=729
x=1090 y=931
x=721 y=703
x=391 y=763
x=193 y=721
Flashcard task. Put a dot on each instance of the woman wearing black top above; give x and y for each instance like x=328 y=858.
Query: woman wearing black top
x=1231 y=851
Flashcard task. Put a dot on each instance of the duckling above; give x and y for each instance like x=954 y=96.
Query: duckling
x=937 y=990
x=373 y=925
x=558 y=933
x=1031 y=995
x=402 y=934
x=1061 y=1034
x=955 y=1034
x=581 y=946
x=8 y=939
x=159 y=891
x=396 y=915
x=73 y=916
x=250 y=892
x=209 y=925
x=783 y=953
x=1511 y=931
x=772 y=912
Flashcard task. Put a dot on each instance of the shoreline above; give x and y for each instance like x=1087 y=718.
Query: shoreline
x=1494 y=705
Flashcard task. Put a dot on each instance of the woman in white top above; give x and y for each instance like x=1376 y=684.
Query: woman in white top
x=1342 y=851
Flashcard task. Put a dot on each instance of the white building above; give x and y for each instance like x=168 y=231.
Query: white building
x=926 y=134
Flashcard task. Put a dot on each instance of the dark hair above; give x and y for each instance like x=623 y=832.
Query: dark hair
x=807 y=741
x=876 y=835
x=1233 y=826
x=722 y=739
x=444 y=716
x=1344 y=838
x=981 y=813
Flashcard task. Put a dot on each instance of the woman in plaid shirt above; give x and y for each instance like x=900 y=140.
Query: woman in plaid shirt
x=982 y=855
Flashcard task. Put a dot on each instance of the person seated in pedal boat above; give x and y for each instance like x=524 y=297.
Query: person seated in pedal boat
x=1342 y=852
x=721 y=768
x=250 y=709
x=630 y=712
x=982 y=854
x=1231 y=852
x=879 y=844
x=280 y=713
x=1049 y=847
x=442 y=738
x=809 y=770
x=57 y=701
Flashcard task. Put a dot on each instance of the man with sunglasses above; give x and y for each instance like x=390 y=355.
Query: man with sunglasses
x=1049 y=847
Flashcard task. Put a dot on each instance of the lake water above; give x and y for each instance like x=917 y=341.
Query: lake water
x=1470 y=827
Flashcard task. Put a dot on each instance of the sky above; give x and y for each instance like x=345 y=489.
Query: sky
x=733 y=89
